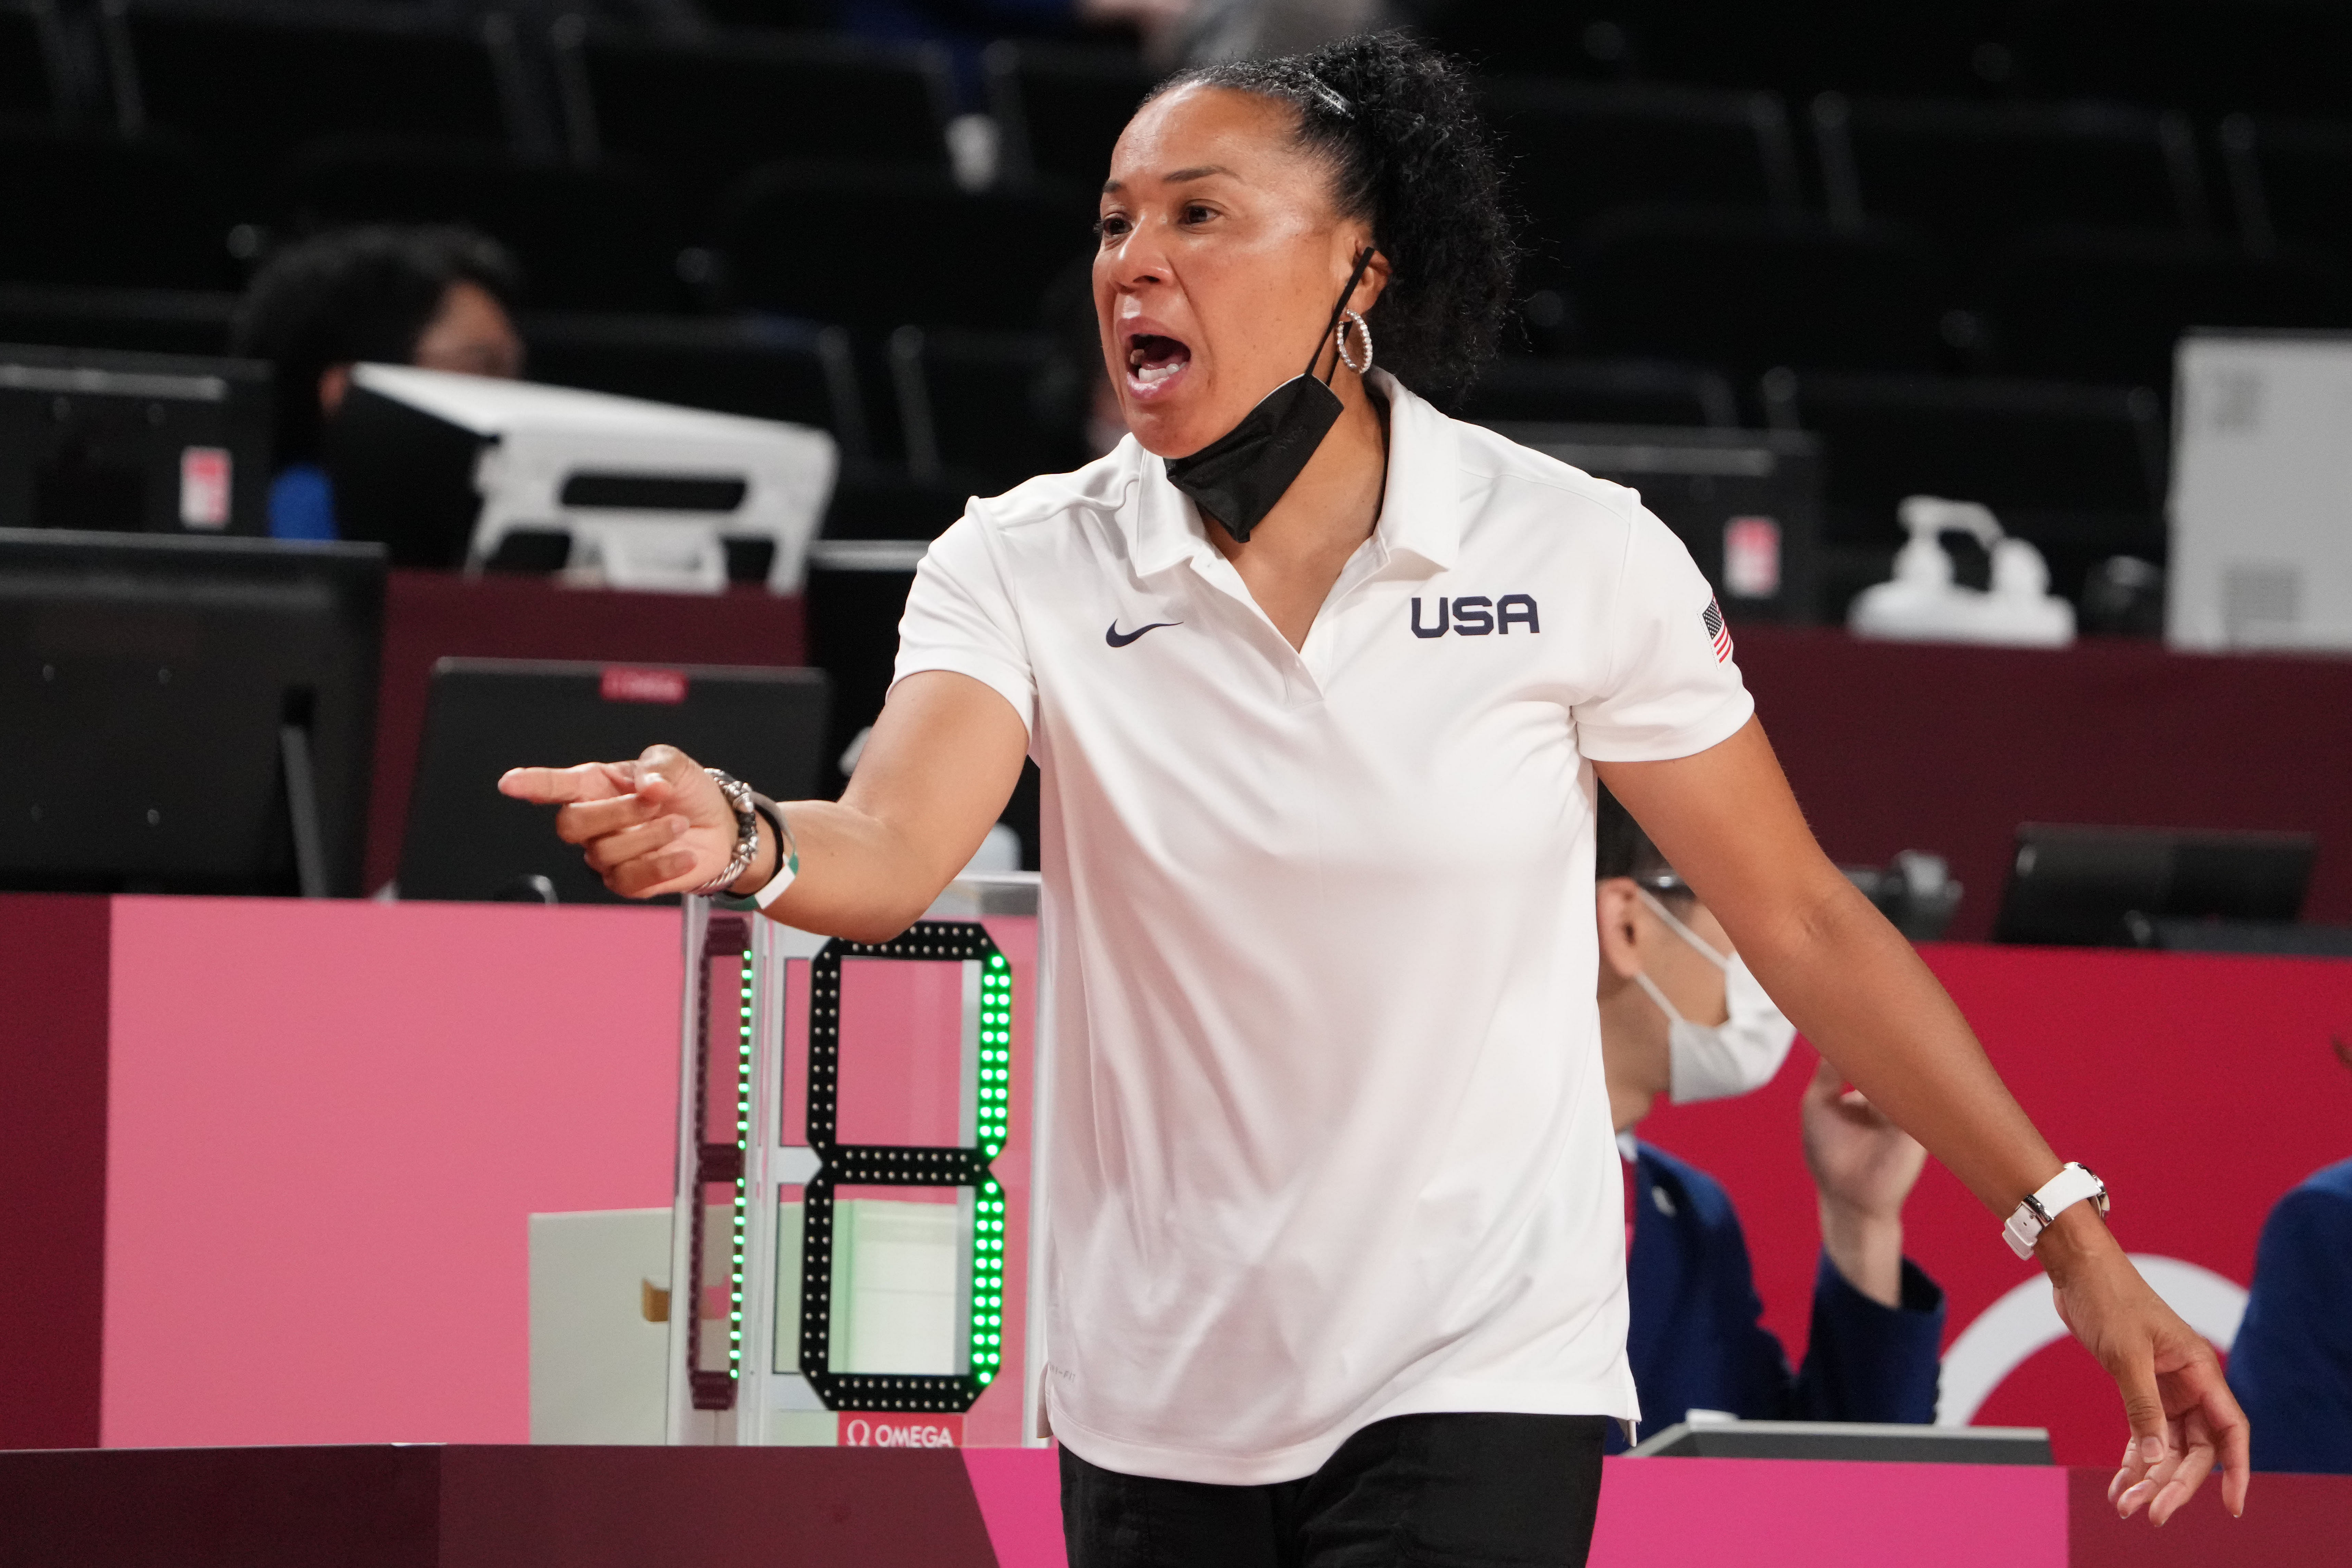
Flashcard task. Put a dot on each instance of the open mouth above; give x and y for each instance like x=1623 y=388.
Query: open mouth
x=1153 y=360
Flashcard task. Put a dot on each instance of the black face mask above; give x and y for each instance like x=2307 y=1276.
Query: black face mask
x=1236 y=479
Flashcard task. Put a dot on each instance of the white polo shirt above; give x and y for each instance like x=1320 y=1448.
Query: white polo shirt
x=1330 y=1141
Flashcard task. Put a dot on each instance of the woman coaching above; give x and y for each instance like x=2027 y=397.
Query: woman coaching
x=1320 y=681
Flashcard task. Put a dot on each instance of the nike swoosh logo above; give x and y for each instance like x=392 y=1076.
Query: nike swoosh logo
x=1118 y=639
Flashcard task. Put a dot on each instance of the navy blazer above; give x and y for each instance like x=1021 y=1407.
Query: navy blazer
x=2291 y=1365
x=1696 y=1339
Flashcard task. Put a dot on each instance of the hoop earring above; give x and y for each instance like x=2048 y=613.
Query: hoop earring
x=1339 y=335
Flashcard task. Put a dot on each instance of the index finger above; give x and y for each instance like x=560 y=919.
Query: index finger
x=563 y=786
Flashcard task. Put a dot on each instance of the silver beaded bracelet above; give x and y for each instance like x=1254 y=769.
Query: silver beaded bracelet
x=747 y=832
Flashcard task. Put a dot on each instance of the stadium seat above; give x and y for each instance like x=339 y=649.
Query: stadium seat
x=253 y=84
x=2077 y=470
x=589 y=239
x=88 y=211
x=997 y=406
x=2110 y=306
x=1729 y=288
x=155 y=321
x=1576 y=153
x=704 y=112
x=2291 y=184
x=1601 y=391
x=2208 y=57
x=1584 y=41
x=762 y=366
x=874 y=247
x=31 y=65
x=1948 y=49
x=1976 y=176
x=1061 y=106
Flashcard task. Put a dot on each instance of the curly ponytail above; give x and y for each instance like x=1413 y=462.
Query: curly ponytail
x=1409 y=155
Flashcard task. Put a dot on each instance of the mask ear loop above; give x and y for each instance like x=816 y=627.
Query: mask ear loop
x=1338 y=310
x=1658 y=908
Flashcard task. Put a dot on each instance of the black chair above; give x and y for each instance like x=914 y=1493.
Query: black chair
x=1062 y=107
x=705 y=111
x=768 y=367
x=1576 y=153
x=253 y=84
x=2208 y=57
x=1582 y=40
x=155 y=321
x=1601 y=391
x=94 y=211
x=833 y=243
x=588 y=239
x=32 y=66
x=2110 y=306
x=1732 y=288
x=1949 y=49
x=1976 y=176
x=998 y=406
x=2077 y=470
x=2290 y=181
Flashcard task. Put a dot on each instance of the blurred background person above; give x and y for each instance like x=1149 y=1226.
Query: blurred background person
x=1681 y=1016
x=439 y=297
x=2291 y=1365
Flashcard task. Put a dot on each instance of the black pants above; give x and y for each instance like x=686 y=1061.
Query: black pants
x=1467 y=1490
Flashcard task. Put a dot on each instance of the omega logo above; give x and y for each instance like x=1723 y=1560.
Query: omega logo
x=1475 y=615
x=883 y=1433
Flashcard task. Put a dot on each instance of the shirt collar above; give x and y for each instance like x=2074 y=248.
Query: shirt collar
x=1421 y=513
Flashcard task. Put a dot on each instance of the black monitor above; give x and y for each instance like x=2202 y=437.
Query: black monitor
x=1724 y=1438
x=1746 y=502
x=467 y=841
x=157 y=444
x=2117 y=887
x=185 y=714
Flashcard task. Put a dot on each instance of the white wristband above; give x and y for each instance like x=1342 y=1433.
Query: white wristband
x=2059 y=1194
x=788 y=865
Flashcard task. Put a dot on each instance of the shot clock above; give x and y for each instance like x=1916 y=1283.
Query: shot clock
x=852 y=1226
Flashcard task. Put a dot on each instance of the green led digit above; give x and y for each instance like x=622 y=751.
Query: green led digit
x=886 y=1165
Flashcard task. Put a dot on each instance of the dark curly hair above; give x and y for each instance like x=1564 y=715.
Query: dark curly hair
x=355 y=294
x=1409 y=155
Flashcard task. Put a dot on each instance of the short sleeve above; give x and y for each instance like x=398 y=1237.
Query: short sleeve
x=1672 y=689
x=960 y=617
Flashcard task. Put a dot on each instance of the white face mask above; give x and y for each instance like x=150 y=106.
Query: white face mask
x=1716 y=1061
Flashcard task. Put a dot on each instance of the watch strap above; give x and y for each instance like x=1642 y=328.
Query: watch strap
x=2032 y=1217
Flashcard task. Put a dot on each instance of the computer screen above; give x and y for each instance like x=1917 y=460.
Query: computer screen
x=163 y=443
x=2115 y=887
x=187 y=715
x=1746 y=503
x=468 y=841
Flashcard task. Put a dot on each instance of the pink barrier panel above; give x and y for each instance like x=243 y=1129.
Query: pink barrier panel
x=328 y=1123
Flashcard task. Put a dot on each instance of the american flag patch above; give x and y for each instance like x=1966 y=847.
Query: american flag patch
x=1712 y=619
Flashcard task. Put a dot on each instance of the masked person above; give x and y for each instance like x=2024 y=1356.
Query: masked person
x=1317 y=681
x=1682 y=1016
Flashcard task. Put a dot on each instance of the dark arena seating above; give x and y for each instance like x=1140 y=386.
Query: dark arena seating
x=1946 y=238
x=1062 y=107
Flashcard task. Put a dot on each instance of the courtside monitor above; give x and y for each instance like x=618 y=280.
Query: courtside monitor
x=1849 y=1441
x=467 y=841
x=2115 y=887
x=453 y=470
x=185 y=714
x=158 y=444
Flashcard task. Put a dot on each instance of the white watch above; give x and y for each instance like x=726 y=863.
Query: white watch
x=2059 y=1194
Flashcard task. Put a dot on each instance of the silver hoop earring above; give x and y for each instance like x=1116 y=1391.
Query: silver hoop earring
x=1339 y=335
